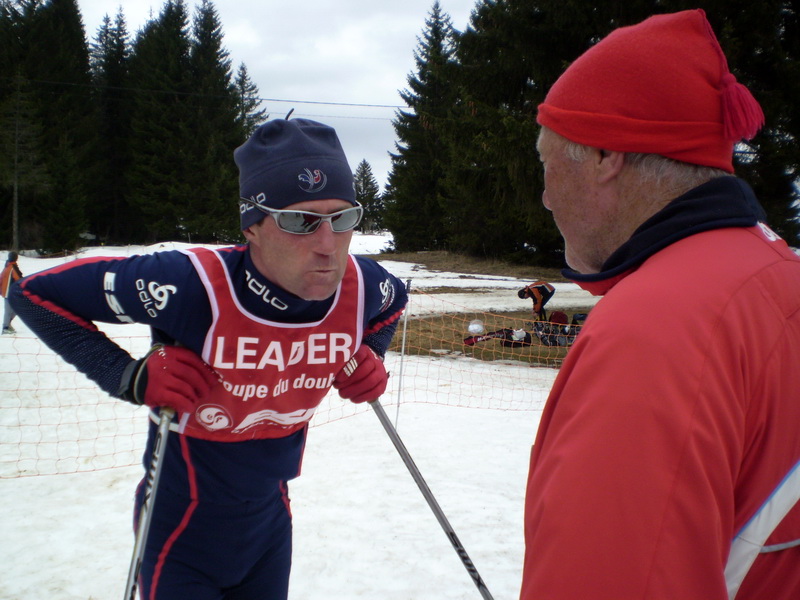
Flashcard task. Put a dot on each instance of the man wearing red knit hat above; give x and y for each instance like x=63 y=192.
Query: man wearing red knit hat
x=667 y=461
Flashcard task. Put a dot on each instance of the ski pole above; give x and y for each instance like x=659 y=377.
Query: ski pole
x=426 y=492
x=146 y=511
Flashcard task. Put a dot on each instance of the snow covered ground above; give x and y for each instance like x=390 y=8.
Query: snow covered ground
x=362 y=529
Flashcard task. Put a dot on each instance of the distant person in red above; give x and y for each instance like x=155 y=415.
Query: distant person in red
x=10 y=274
x=667 y=461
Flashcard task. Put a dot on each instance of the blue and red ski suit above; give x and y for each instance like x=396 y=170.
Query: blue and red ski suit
x=221 y=525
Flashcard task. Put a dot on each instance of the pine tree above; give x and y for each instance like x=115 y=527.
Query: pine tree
x=110 y=213
x=55 y=56
x=140 y=137
x=160 y=176
x=512 y=53
x=20 y=141
x=494 y=173
x=368 y=194
x=250 y=114
x=212 y=215
x=64 y=221
x=10 y=48
x=762 y=44
x=414 y=211
x=10 y=54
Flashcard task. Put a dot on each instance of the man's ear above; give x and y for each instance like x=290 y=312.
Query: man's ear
x=249 y=234
x=609 y=165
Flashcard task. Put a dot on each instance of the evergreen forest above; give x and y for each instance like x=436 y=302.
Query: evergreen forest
x=465 y=173
x=128 y=139
x=120 y=140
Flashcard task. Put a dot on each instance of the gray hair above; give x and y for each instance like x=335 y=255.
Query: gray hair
x=655 y=169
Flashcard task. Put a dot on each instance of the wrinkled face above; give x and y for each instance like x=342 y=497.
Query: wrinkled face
x=571 y=195
x=309 y=266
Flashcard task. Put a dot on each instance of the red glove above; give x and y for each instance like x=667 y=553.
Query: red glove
x=363 y=378
x=170 y=376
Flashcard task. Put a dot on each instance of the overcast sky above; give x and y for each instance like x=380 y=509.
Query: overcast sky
x=317 y=57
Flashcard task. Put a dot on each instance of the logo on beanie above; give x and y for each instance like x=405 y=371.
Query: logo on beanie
x=312 y=181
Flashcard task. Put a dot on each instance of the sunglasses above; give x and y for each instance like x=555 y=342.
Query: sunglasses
x=303 y=222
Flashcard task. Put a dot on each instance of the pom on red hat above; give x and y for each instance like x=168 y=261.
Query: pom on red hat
x=659 y=87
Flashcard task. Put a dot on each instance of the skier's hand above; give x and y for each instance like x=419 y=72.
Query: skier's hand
x=169 y=376
x=363 y=378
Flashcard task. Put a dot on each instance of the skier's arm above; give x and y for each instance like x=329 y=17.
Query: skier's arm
x=364 y=377
x=385 y=300
x=72 y=336
x=61 y=306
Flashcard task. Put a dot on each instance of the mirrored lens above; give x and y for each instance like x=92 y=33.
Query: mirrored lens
x=347 y=219
x=298 y=221
x=295 y=221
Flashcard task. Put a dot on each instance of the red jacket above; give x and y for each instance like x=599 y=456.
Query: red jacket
x=674 y=417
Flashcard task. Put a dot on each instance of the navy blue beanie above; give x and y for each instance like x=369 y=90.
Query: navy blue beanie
x=289 y=161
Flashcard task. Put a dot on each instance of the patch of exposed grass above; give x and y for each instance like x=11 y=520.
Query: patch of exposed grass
x=444 y=334
x=439 y=335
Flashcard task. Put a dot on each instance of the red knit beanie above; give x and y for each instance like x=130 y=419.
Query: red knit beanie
x=659 y=87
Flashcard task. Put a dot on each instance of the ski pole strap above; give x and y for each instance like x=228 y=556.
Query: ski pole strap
x=178 y=426
x=749 y=542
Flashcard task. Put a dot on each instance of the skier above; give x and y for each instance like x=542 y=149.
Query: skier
x=249 y=339
x=9 y=276
x=540 y=293
x=556 y=329
x=667 y=459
